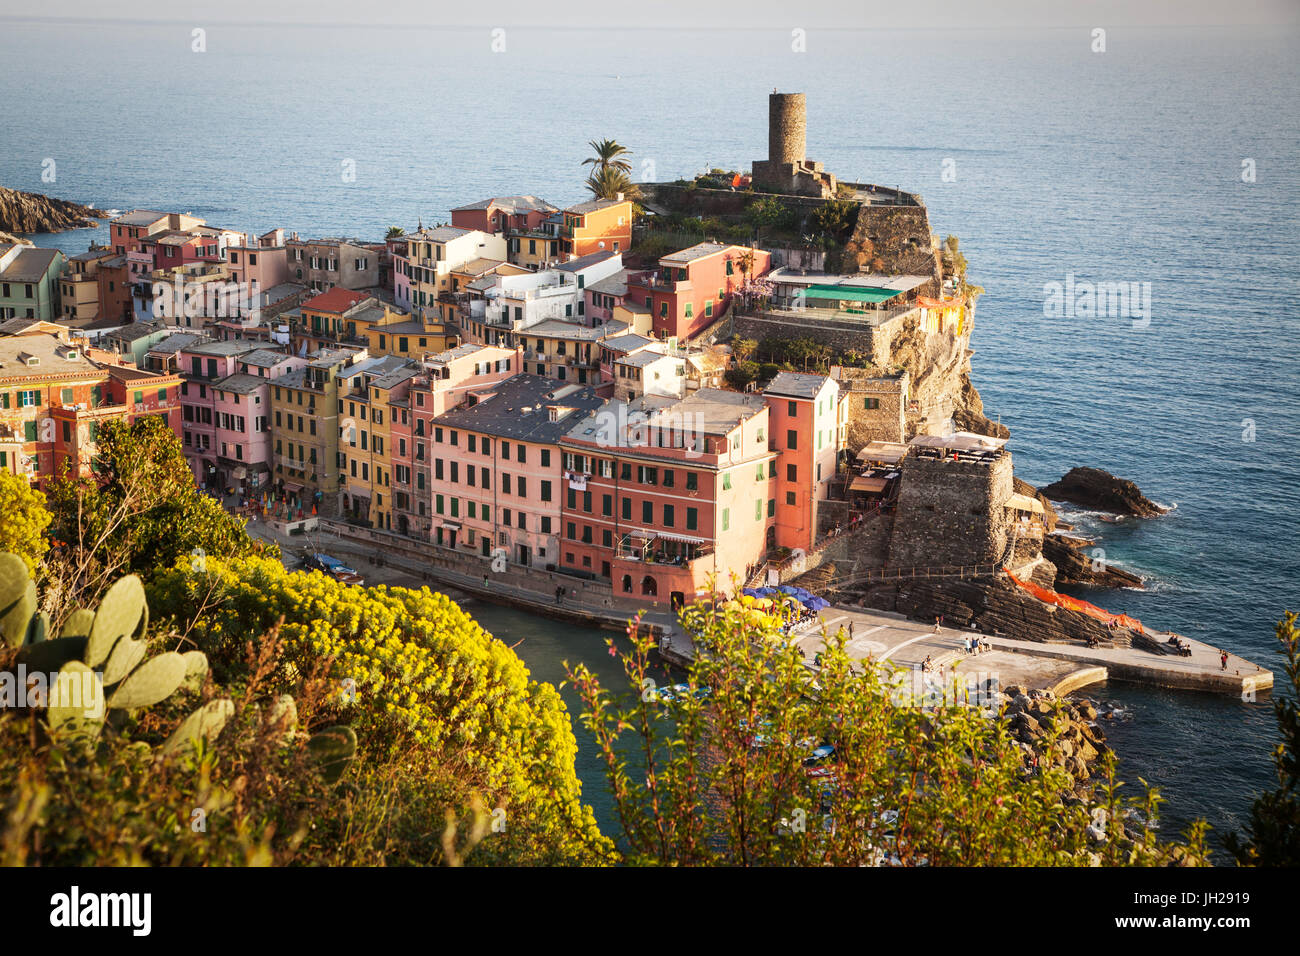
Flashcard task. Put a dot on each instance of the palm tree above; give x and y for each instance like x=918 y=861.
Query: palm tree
x=607 y=153
x=607 y=183
x=394 y=232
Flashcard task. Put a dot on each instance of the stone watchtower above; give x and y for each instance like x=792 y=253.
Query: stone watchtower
x=787 y=128
x=787 y=169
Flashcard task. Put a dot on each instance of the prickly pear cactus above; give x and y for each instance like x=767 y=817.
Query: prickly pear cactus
x=205 y=723
x=17 y=599
x=153 y=681
x=334 y=748
x=122 y=613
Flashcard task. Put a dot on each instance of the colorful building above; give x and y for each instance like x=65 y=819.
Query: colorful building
x=600 y=225
x=95 y=285
x=692 y=288
x=324 y=264
x=444 y=382
x=528 y=225
x=55 y=395
x=807 y=428
x=664 y=497
x=305 y=429
x=423 y=262
x=496 y=479
x=29 y=282
x=365 y=391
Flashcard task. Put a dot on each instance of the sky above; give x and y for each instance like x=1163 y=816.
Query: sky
x=686 y=14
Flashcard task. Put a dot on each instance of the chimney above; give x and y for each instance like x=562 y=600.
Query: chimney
x=619 y=197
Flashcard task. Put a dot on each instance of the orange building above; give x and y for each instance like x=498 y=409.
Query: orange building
x=601 y=225
x=54 y=397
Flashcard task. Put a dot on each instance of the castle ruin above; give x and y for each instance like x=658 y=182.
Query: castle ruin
x=786 y=169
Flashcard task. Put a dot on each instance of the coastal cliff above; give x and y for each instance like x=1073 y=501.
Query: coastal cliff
x=31 y=212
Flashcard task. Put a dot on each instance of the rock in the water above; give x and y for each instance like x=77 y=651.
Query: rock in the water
x=32 y=212
x=1094 y=488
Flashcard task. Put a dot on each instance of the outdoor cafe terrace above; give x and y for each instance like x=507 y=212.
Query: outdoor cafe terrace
x=661 y=547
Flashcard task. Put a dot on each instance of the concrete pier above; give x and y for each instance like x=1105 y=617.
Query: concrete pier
x=1062 y=668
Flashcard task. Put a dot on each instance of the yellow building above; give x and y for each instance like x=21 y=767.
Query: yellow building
x=304 y=424
x=365 y=391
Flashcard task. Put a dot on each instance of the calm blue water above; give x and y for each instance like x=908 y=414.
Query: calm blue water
x=1123 y=166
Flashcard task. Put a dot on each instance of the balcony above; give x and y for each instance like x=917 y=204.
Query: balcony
x=661 y=547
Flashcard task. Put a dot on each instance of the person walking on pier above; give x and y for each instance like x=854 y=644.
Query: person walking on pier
x=559 y=593
x=1223 y=658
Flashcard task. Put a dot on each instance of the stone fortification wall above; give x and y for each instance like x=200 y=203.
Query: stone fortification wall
x=951 y=513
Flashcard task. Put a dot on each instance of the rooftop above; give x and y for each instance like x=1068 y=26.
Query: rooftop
x=437 y=234
x=559 y=329
x=240 y=383
x=17 y=353
x=231 y=347
x=175 y=342
x=30 y=265
x=796 y=384
x=264 y=358
x=698 y=251
x=139 y=217
x=584 y=262
x=519 y=408
x=336 y=300
x=628 y=342
x=510 y=204
x=593 y=205
x=615 y=284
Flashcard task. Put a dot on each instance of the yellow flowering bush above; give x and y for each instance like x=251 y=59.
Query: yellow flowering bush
x=419 y=681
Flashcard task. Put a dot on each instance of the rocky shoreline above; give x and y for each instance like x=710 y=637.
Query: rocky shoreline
x=22 y=212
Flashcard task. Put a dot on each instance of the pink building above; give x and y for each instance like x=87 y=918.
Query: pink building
x=496 y=476
x=260 y=262
x=444 y=382
x=202 y=364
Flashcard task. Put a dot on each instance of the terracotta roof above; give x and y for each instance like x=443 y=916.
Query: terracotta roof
x=337 y=299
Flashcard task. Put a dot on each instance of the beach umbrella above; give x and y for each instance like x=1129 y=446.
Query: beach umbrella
x=787 y=588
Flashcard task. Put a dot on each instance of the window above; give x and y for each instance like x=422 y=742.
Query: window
x=726 y=482
x=669 y=517
x=790 y=498
x=692 y=518
x=546 y=463
x=692 y=481
x=791 y=472
x=546 y=489
x=758 y=509
x=668 y=477
x=771 y=507
x=870 y=403
x=627 y=509
x=726 y=519
x=792 y=409
x=607 y=505
x=647 y=512
x=792 y=439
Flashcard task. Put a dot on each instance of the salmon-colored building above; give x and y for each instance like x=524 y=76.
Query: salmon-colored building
x=692 y=288
x=54 y=396
x=807 y=434
x=661 y=496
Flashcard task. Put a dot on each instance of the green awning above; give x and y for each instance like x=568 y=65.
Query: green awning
x=851 y=293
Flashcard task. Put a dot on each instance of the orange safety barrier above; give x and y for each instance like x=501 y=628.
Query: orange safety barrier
x=1074 y=604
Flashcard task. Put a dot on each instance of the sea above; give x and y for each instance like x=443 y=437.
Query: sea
x=1166 y=161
